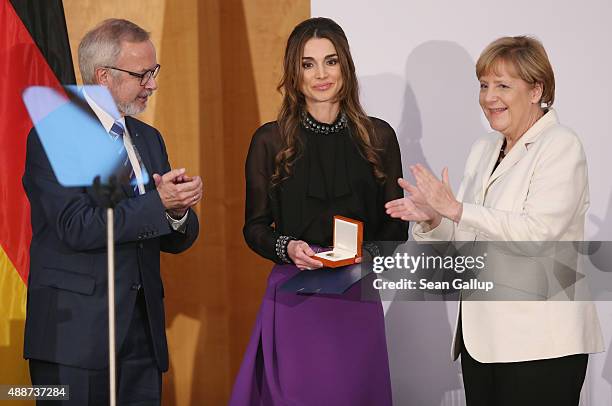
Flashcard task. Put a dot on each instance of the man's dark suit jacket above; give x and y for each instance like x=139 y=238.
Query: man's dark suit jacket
x=67 y=319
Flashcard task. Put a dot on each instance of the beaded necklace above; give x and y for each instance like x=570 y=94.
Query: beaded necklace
x=309 y=123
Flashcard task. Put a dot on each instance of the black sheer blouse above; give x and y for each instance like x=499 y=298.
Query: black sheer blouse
x=329 y=178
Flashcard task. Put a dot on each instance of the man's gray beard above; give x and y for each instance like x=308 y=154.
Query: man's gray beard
x=130 y=109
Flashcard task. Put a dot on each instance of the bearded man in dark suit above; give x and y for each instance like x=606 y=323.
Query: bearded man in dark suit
x=66 y=337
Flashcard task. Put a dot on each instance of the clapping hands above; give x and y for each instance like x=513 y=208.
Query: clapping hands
x=428 y=200
x=178 y=192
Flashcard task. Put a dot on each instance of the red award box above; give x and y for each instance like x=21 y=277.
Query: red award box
x=348 y=237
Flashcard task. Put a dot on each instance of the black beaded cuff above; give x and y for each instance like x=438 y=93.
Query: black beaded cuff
x=281 y=248
x=372 y=249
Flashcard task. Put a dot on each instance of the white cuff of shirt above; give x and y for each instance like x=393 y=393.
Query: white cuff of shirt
x=178 y=225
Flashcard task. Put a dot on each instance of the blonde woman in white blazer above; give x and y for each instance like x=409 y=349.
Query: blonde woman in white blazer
x=527 y=181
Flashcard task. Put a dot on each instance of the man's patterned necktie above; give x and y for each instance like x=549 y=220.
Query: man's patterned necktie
x=116 y=132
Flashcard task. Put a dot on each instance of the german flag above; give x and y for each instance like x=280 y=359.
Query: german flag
x=34 y=50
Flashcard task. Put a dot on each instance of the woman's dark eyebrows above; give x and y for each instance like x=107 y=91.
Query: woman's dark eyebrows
x=326 y=57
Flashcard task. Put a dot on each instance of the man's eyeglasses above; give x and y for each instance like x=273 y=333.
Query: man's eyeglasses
x=144 y=77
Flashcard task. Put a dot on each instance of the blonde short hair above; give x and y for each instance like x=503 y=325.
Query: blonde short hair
x=529 y=59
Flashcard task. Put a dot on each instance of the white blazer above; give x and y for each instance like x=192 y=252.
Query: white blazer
x=539 y=192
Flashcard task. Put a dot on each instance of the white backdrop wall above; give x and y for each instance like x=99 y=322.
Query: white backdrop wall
x=415 y=62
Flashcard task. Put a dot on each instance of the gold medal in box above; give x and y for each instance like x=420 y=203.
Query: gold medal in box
x=348 y=237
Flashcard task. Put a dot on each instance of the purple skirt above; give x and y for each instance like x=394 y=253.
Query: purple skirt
x=313 y=350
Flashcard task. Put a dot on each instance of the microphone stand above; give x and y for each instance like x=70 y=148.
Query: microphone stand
x=109 y=195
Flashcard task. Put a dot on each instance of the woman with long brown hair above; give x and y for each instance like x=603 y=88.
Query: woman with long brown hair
x=322 y=157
